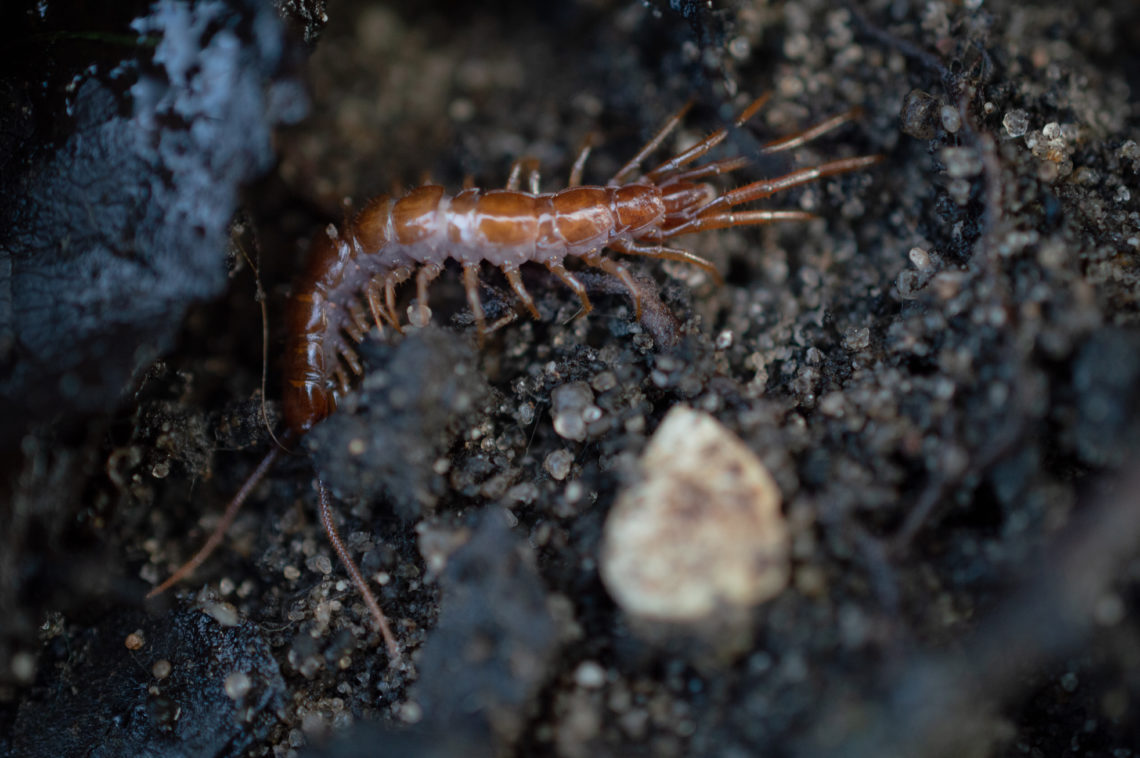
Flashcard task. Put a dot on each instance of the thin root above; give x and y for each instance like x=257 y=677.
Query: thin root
x=231 y=512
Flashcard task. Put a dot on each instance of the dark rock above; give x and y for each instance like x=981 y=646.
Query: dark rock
x=96 y=697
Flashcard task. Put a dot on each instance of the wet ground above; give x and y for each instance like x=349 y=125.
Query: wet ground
x=938 y=373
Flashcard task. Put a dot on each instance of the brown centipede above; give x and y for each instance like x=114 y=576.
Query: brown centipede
x=352 y=273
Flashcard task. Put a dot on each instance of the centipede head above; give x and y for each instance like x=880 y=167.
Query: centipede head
x=683 y=198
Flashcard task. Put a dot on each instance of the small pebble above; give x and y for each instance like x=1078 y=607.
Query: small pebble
x=917 y=116
x=224 y=613
x=702 y=530
x=1016 y=123
x=321 y=564
x=161 y=668
x=236 y=685
x=135 y=640
x=590 y=675
x=557 y=464
x=24 y=667
x=919 y=257
x=569 y=404
x=961 y=162
x=410 y=712
x=951 y=119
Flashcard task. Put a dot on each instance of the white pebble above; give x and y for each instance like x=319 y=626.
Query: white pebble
x=236 y=685
x=1016 y=123
x=701 y=531
x=590 y=675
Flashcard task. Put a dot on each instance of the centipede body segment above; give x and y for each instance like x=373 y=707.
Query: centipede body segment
x=351 y=277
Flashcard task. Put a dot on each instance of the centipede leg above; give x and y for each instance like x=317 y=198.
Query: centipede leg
x=390 y=282
x=353 y=330
x=390 y=303
x=471 y=285
x=351 y=358
x=614 y=268
x=514 y=177
x=653 y=143
x=424 y=277
x=530 y=165
x=359 y=319
x=576 y=286
x=325 y=511
x=372 y=293
x=580 y=162
x=341 y=379
x=668 y=254
x=516 y=283
x=708 y=143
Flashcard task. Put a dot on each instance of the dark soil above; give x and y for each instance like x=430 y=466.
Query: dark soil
x=941 y=372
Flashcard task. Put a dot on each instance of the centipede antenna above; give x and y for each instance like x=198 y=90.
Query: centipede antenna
x=325 y=510
x=227 y=519
x=654 y=142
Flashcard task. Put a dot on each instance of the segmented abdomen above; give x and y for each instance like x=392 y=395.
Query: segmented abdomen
x=505 y=227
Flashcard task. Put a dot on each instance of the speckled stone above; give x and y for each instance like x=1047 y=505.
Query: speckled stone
x=702 y=530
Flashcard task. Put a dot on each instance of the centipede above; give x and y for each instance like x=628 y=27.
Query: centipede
x=350 y=280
